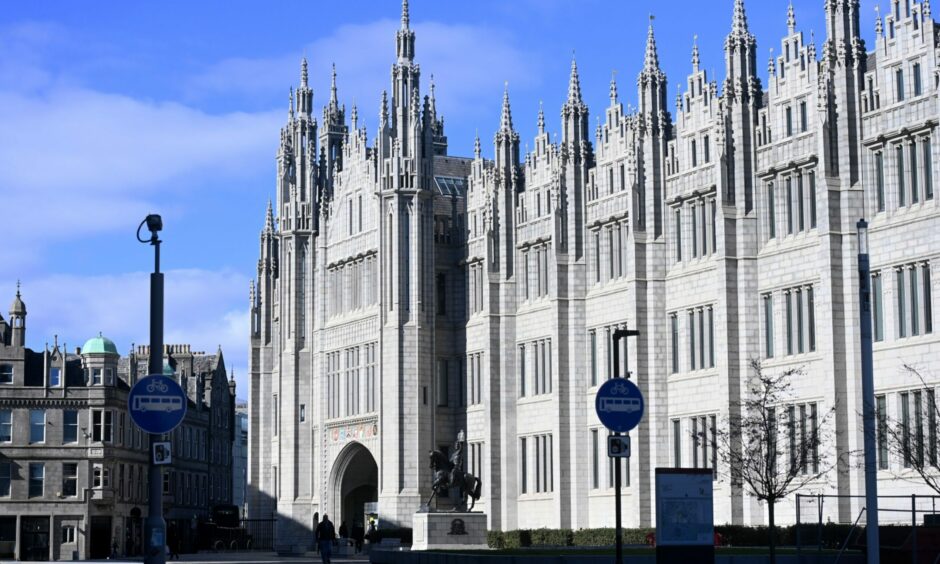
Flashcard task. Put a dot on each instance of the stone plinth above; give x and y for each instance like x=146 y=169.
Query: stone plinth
x=441 y=531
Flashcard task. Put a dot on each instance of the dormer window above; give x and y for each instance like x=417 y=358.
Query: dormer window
x=55 y=376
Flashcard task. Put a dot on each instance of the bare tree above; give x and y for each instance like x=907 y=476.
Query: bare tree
x=775 y=445
x=913 y=438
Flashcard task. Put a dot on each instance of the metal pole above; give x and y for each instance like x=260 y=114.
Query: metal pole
x=868 y=396
x=616 y=337
x=155 y=550
x=914 y=528
x=799 y=536
x=618 y=533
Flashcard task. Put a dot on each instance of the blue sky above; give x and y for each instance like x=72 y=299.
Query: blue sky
x=112 y=110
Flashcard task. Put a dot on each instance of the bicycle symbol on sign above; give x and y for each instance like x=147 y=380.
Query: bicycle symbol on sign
x=620 y=389
x=157 y=386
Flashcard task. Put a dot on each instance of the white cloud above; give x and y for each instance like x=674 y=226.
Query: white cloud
x=82 y=162
x=202 y=308
x=469 y=64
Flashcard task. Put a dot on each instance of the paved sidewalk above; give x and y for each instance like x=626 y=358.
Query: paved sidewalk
x=243 y=557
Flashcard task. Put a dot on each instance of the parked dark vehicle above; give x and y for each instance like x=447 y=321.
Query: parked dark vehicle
x=223 y=531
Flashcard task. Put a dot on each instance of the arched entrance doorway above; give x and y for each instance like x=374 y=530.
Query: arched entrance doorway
x=354 y=482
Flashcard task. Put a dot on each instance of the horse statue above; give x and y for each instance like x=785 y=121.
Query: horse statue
x=449 y=473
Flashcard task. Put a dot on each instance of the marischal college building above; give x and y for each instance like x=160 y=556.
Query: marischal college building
x=404 y=294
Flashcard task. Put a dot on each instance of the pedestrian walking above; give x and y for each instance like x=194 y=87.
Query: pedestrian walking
x=325 y=535
x=358 y=533
x=173 y=542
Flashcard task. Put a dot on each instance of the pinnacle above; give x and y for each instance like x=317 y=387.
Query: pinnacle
x=541 y=118
x=405 y=19
x=383 y=110
x=269 y=218
x=506 y=118
x=476 y=146
x=791 y=19
x=574 y=83
x=613 y=87
x=303 y=72
x=651 y=59
x=334 y=100
x=695 y=55
x=739 y=19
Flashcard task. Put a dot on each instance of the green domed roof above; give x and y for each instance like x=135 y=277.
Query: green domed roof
x=99 y=345
x=168 y=370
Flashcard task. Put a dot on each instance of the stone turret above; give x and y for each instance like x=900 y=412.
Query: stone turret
x=18 y=320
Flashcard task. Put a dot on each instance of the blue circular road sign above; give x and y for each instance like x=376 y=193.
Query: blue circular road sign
x=157 y=404
x=619 y=405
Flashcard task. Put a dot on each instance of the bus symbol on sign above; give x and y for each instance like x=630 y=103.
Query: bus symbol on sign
x=622 y=405
x=619 y=405
x=157 y=404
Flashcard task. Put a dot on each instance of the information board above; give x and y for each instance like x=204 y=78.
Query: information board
x=684 y=507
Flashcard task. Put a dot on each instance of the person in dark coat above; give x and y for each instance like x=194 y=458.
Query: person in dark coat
x=343 y=531
x=325 y=534
x=358 y=534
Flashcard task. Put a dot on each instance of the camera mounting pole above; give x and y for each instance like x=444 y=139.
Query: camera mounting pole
x=155 y=540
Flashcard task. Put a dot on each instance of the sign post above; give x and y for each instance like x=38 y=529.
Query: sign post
x=619 y=405
x=155 y=533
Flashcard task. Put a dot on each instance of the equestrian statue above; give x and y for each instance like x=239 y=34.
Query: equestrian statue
x=449 y=473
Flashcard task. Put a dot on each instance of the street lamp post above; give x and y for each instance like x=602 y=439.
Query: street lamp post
x=620 y=333
x=868 y=396
x=155 y=538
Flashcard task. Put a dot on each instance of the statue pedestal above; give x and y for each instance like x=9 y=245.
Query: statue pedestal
x=441 y=531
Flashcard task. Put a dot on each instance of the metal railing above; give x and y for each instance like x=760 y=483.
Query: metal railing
x=909 y=526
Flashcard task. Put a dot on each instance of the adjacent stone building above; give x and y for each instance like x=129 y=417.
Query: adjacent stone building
x=403 y=294
x=240 y=457
x=73 y=466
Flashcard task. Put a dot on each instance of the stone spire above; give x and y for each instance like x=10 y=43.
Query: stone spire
x=432 y=100
x=354 y=118
x=878 y=29
x=695 y=56
x=791 y=19
x=574 y=84
x=303 y=72
x=771 y=66
x=926 y=8
x=334 y=98
x=383 y=109
x=476 y=146
x=651 y=59
x=269 y=219
x=505 y=121
x=405 y=38
x=739 y=20
x=541 y=119
x=290 y=104
x=613 y=88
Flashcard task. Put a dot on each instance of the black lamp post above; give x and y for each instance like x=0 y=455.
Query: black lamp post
x=155 y=535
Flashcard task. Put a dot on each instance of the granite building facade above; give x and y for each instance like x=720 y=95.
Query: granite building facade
x=403 y=294
x=73 y=465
